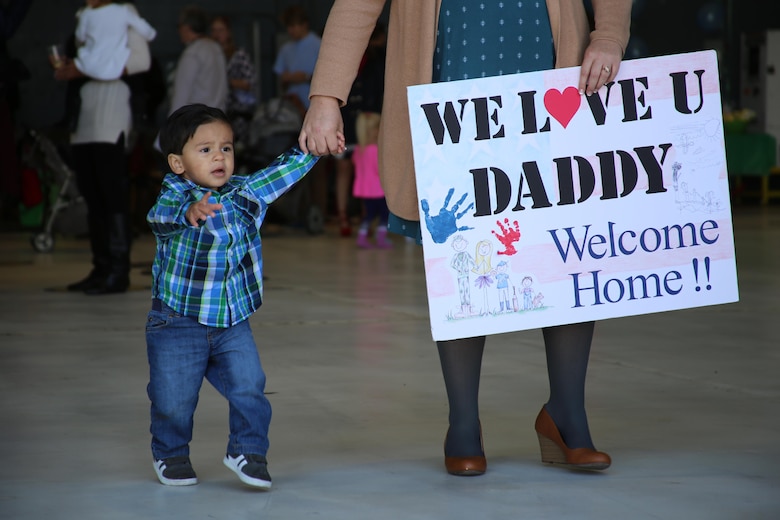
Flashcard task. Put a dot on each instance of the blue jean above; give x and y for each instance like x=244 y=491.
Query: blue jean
x=181 y=353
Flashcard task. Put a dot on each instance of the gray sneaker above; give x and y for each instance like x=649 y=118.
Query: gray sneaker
x=251 y=469
x=175 y=471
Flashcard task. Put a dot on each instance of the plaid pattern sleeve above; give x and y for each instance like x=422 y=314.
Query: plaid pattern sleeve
x=277 y=178
x=214 y=273
x=167 y=216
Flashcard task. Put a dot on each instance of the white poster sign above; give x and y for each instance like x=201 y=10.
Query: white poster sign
x=540 y=206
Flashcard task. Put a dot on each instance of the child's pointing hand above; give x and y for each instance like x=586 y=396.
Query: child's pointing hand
x=199 y=211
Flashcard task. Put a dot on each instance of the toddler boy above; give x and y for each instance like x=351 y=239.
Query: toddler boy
x=207 y=280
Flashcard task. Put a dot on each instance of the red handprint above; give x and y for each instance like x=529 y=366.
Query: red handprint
x=509 y=235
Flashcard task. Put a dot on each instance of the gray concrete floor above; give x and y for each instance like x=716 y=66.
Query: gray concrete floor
x=687 y=402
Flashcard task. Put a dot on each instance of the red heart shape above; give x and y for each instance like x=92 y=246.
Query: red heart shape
x=562 y=105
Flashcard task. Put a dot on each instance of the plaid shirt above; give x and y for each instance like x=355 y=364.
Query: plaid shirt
x=214 y=273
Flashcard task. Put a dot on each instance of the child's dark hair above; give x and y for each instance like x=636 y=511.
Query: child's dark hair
x=183 y=123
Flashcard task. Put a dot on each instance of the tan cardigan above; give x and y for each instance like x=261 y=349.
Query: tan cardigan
x=410 y=49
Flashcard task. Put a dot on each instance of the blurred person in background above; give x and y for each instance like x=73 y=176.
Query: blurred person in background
x=242 y=80
x=99 y=156
x=201 y=53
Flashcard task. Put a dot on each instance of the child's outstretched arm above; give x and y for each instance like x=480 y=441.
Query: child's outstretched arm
x=273 y=181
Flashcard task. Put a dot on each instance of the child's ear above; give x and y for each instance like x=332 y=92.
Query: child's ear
x=176 y=164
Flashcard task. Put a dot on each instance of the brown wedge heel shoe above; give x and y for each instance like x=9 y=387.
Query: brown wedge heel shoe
x=554 y=451
x=466 y=466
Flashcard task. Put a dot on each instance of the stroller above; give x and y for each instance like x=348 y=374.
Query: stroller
x=54 y=173
x=274 y=129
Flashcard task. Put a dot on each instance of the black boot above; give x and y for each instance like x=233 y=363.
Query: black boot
x=93 y=279
x=117 y=280
x=101 y=255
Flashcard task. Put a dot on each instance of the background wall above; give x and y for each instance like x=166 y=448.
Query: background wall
x=658 y=27
x=671 y=26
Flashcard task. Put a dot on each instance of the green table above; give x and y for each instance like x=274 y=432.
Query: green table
x=753 y=155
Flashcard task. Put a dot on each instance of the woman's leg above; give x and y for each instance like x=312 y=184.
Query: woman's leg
x=568 y=350
x=461 y=364
x=87 y=179
x=113 y=185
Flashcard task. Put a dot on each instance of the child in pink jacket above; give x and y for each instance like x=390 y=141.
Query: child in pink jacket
x=367 y=187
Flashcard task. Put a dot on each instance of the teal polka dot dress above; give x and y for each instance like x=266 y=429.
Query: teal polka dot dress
x=477 y=39
x=491 y=38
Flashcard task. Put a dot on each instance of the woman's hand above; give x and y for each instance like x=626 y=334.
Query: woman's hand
x=599 y=65
x=322 y=132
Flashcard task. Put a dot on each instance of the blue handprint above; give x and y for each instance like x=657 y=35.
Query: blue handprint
x=443 y=225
